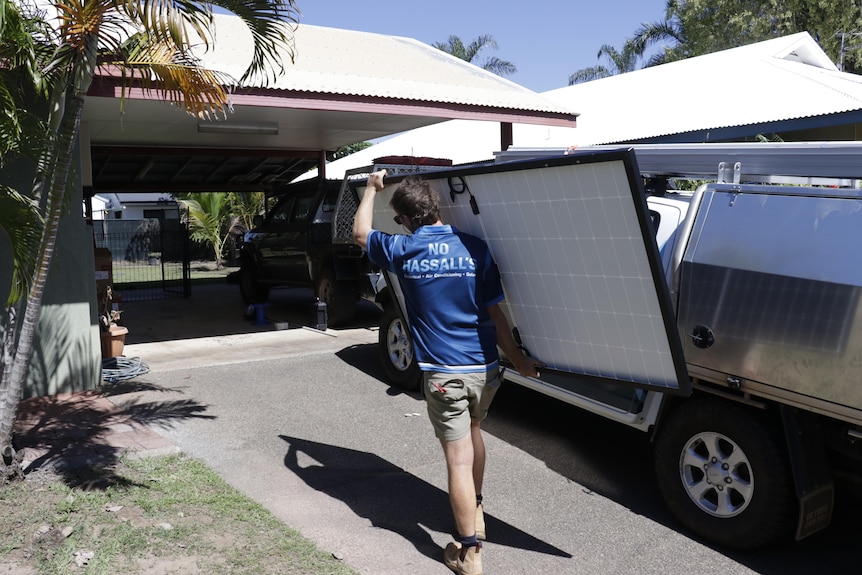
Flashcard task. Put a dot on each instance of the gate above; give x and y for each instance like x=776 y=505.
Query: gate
x=150 y=257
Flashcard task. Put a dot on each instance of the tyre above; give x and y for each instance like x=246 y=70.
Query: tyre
x=251 y=290
x=396 y=351
x=725 y=475
x=339 y=297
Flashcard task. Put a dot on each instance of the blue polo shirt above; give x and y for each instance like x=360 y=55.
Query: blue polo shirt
x=448 y=279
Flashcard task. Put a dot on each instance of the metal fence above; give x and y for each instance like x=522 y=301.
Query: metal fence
x=150 y=258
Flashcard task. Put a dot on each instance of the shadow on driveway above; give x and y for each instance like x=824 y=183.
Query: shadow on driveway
x=390 y=498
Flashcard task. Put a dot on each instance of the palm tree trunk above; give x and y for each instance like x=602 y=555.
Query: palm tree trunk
x=33 y=307
x=7 y=355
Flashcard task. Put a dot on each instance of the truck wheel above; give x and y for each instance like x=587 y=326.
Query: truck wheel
x=339 y=297
x=724 y=475
x=251 y=290
x=396 y=351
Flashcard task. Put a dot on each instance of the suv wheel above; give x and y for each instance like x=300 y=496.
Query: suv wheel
x=725 y=475
x=396 y=351
x=338 y=296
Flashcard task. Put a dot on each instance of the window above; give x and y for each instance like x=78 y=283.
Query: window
x=281 y=212
x=302 y=207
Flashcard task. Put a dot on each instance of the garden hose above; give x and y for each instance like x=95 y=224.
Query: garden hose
x=116 y=369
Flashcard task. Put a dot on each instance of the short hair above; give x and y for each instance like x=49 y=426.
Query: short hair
x=416 y=199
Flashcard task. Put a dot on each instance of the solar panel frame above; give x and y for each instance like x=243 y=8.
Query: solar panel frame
x=584 y=283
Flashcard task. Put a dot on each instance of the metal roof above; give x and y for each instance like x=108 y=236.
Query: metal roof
x=348 y=62
x=778 y=85
x=708 y=98
x=344 y=87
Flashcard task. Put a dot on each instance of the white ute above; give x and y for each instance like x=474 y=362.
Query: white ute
x=725 y=322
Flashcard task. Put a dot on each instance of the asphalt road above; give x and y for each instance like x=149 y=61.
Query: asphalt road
x=302 y=422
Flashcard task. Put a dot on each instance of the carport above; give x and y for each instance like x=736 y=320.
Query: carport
x=344 y=87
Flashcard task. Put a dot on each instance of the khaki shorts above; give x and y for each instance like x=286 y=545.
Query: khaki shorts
x=454 y=399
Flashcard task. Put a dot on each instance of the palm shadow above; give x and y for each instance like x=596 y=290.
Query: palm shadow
x=391 y=498
x=70 y=433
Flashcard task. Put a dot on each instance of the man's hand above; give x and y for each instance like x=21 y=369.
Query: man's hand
x=375 y=180
x=365 y=211
x=526 y=365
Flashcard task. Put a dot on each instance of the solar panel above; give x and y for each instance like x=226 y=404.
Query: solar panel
x=583 y=280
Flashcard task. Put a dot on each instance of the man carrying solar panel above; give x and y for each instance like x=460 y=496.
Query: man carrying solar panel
x=452 y=292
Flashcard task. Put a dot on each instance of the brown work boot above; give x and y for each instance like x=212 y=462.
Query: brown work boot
x=463 y=561
x=480 y=522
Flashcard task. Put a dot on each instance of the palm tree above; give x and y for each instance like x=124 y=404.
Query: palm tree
x=210 y=221
x=670 y=29
x=645 y=37
x=620 y=62
x=22 y=48
x=245 y=206
x=456 y=47
x=93 y=34
x=21 y=41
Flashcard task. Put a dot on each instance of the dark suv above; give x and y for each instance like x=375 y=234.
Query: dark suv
x=302 y=242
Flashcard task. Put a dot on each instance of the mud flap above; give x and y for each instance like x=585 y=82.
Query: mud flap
x=811 y=472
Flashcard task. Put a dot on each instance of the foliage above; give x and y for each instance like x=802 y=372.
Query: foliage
x=210 y=220
x=698 y=27
x=23 y=52
x=245 y=206
x=24 y=40
x=455 y=46
x=345 y=151
x=95 y=34
x=620 y=62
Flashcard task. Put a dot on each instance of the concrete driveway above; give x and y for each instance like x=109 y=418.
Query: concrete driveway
x=302 y=422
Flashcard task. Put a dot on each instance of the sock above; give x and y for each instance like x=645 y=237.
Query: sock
x=467 y=541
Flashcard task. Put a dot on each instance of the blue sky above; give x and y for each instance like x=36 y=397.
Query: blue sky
x=546 y=39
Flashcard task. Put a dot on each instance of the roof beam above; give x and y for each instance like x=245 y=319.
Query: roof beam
x=349 y=103
x=170 y=151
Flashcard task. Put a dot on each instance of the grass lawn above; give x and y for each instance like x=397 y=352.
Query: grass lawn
x=162 y=515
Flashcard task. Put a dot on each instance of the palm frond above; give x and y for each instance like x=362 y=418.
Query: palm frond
x=176 y=75
x=476 y=46
x=589 y=74
x=10 y=125
x=272 y=23
x=499 y=67
x=453 y=46
x=22 y=221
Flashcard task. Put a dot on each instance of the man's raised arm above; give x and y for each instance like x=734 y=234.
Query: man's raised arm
x=365 y=211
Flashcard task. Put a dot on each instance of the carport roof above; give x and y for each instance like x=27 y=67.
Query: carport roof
x=343 y=87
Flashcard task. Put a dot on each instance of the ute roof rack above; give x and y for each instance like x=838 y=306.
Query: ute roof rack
x=807 y=163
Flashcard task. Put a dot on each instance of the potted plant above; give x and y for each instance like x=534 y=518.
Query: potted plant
x=113 y=335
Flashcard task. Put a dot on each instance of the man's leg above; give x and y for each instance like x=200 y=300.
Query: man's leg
x=478 y=476
x=478 y=455
x=462 y=490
